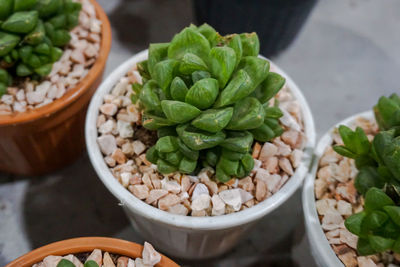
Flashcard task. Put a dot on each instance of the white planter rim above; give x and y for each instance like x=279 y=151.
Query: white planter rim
x=201 y=223
x=320 y=246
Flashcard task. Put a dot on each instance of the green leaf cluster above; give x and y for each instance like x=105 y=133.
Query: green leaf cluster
x=207 y=96
x=378 y=179
x=32 y=35
x=378 y=161
x=378 y=225
x=68 y=263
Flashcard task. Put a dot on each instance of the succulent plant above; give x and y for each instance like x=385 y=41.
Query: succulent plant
x=378 y=179
x=378 y=225
x=387 y=112
x=207 y=96
x=68 y=263
x=32 y=35
x=378 y=161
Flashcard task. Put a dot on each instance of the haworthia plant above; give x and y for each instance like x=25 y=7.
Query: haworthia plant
x=32 y=36
x=378 y=179
x=67 y=263
x=207 y=96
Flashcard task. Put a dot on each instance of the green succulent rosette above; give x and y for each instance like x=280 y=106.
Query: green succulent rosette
x=32 y=35
x=207 y=96
x=378 y=179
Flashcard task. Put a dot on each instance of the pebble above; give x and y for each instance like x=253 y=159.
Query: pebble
x=140 y=191
x=109 y=109
x=232 y=197
x=150 y=255
x=125 y=129
x=168 y=201
x=155 y=195
x=199 y=189
x=201 y=202
x=178 y=209
x=107 y=144
x=218 y=205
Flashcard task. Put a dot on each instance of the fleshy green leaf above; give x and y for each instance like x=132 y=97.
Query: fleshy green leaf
x=375 y=219
x=199 y=75
x=364 y=248
x=187 y=166
x=189 y=153
x=234 y=42
x=380 y=244
x=394 y=213
x=263 y=133
x=154 y=122
x=148 y=96
x=376 y=199
x=269 y=87
x=257 y=68
x=190 y=63
x=164 y=72
x=248 y=113
x=179 y=112
x=250 y=43
x=353 y=223
x=198 y=139
x=65 y=263
x=189 y=41
x=238 y=141
x=151 y=155
x=367 y=177
x=21 y=22
x=228 y=166
x=6 y=7
x=7 y=42
x=344 y=151
x=222 y=64
x=165 y=167
x=203 y=93
x=178 y=89
x=90 y=263
x=239 y=87
x=213 y=120
x=209 y=32
x=167 y=144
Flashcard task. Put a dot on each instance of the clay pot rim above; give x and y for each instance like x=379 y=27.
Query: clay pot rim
x=79 y=89
x=86 y=244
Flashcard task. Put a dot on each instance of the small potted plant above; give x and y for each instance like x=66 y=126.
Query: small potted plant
x=93 y=252
x=52 y=56
x=199 y=138
x=356 y=190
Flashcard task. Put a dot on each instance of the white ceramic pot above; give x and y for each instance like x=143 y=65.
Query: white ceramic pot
x=185 y=236
x=320 y=247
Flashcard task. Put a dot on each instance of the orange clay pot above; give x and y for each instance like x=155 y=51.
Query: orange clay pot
x=47 y=138
x=86 y=244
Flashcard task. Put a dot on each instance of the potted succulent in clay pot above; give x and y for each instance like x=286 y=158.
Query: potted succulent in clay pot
x=199 y=138
x=93 y=252
x=351 y=198
x=52 y=57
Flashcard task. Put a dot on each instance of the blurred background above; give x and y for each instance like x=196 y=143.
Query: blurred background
x=342 y=54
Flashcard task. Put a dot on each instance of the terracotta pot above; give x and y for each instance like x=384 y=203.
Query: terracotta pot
x=86 y=244
x=47 y=138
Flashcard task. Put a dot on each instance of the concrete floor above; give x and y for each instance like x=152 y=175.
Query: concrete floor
x=345 y=58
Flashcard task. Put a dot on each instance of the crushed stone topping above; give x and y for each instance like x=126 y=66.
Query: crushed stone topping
x=123 y=142
x=150 y=257
x=337 y=199
x=77 y=59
